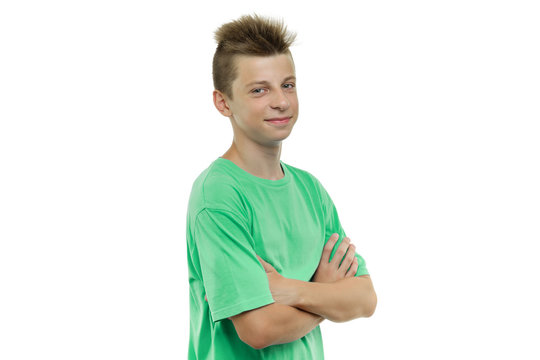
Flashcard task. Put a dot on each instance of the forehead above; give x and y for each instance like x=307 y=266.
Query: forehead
x=263 y=68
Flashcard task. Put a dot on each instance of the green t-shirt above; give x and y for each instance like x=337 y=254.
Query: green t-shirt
x=233 y=215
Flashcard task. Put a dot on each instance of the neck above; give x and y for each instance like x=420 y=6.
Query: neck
x=263 y=162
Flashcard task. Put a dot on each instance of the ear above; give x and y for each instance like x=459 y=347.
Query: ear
x=220 y=102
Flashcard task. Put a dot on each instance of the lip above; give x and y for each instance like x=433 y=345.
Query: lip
x=279 y=121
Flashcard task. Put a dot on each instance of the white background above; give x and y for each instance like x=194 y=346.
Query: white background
x=421 y=119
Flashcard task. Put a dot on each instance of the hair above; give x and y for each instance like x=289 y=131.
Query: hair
x=249 y=35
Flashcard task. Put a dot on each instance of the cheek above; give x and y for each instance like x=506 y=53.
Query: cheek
x=252 y=111
x=293 y=100
x=257 y=107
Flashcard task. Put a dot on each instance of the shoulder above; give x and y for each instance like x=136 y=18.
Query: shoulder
x=302 y=175
x=312 y=185
x=216 y=188
x=306 y=178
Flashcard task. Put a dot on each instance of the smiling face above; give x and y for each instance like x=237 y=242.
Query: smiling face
x=264 y=105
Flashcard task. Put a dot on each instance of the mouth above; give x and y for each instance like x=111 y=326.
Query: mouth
x=281 y=120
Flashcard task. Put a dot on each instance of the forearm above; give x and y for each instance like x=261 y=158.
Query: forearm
x=287 y=323
x=340 y=301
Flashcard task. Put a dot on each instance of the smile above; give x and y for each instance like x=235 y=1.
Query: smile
x=279 y=121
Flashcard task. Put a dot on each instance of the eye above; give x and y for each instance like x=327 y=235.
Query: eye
x=258 y=91
x=288 y=86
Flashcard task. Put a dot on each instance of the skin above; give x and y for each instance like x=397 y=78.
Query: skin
x=283 y=290
x=264 y=89
x=337 y=295
x=256 y=146
x=328 y=271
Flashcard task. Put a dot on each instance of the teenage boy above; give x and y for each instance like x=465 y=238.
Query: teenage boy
x=268 y=259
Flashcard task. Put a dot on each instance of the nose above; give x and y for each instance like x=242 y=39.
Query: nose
x=280 y=101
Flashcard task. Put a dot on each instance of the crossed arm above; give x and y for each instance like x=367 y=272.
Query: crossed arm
x=334 y=294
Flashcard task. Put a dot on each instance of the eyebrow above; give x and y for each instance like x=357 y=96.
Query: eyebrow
x=264 y=82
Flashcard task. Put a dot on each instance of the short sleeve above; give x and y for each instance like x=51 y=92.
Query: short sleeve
x=333 y=225
x=234 y=279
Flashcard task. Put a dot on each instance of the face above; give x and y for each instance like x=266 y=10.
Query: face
x=264 y=107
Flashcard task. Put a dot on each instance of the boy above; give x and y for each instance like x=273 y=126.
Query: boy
x=268 y=259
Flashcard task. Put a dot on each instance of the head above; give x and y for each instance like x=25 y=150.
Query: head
x=248 y=36
x=254 y=78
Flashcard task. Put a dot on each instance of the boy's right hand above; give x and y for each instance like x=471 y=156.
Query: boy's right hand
x=332 y=271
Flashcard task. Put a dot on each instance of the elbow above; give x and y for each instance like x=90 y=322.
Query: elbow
x=255 y=343
x=257 y=336
x=259 y=345
x=255 y=327
x=257 y=340
x=365 y=310
x=371 y=306
x=369 y=311
x=253 y=339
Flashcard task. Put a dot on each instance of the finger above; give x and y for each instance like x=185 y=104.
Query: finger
x=327 y=250
x=348 y=259
x=267 y=267
x=353 y=268
x=341 y=250
x=264 y=263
